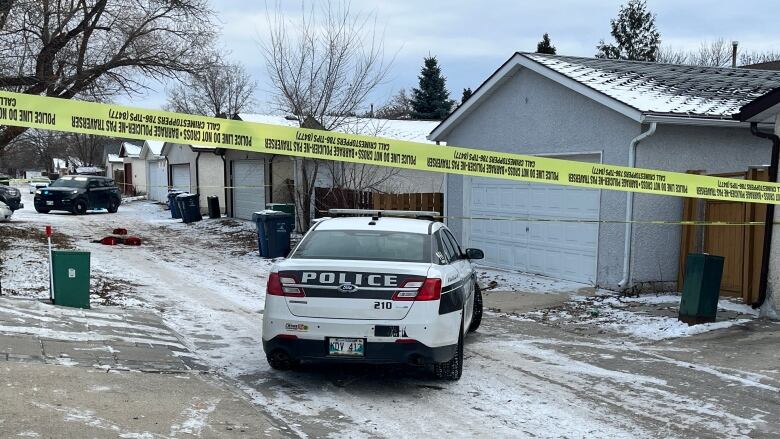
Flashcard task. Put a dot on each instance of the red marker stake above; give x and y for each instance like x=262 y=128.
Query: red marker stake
x=51 y=267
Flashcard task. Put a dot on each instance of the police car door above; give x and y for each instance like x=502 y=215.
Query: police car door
x=458 y=287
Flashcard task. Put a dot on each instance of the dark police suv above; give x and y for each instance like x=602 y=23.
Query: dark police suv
x=77 y=194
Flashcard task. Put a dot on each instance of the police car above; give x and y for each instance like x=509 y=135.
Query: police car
x=376 y=289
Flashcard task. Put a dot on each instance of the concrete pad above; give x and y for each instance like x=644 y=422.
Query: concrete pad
x=511 y=302
x=70 y=402
x=157 y=354
x=76 y=349
x=17 y=345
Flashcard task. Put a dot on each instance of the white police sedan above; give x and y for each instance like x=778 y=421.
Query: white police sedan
x=374 y=289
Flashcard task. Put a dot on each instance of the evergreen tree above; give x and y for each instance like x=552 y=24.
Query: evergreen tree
x=432 y=99
x=635 y=33
x=466 y=94
x=545 y=46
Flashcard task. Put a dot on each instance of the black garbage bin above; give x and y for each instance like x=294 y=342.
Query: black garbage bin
x=273 y=233
x=189 y=206
x=172 y=205
x=213 y=203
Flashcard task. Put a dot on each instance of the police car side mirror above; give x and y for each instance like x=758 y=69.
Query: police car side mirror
x=475 y=253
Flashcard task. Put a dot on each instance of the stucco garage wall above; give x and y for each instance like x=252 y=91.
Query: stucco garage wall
x=212 y=183
x=530 y=114
x=656 y=248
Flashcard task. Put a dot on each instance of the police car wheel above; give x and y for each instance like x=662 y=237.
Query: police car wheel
x=80 y=208
x=279 y=360
x=113 y=206
x=453 y=369
x=477 y=318
x=42 y=210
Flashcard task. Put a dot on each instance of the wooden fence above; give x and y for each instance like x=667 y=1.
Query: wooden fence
x=332 y=198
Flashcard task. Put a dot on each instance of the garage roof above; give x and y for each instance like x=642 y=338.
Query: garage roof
x=643 y=91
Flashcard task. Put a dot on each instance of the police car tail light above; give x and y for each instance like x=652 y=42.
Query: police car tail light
x=429 y=289
x=280 y=285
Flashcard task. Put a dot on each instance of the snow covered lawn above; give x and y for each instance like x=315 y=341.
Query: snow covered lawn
x=651 y=317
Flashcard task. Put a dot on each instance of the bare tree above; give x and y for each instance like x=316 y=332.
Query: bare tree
x=86 y=148
x=39 y=148
x=350 y=178
x=748 y=58
x=713 y=54
x=670 y=55
x=322 y=67
x=95 y=49
x=398 y=107
x=221 y=89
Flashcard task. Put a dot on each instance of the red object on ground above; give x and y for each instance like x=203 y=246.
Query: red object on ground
x=109 y=240
x=48 y=231
x=120 y=232
x=132 y=240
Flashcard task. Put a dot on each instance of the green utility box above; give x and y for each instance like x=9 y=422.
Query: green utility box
x=701 y=288
x=281 y=207
x=71 y=278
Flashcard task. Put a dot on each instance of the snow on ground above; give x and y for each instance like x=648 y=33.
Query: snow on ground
x=652 y=317
x=502 y=280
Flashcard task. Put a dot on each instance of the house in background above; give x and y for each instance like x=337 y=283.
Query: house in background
x=648 y=115
x=134 y=169
x=115 y=167
x=156 y=170
x=196 y=169
x=765 y=110
x=258 y=178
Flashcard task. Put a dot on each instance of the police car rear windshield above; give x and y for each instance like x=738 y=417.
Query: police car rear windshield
x=365 y=245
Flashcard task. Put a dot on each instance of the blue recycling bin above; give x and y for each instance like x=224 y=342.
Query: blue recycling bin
x=172 y=205
x=189 y=207
x=273 y=233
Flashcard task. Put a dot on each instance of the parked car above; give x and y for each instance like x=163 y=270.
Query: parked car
x=11 y=197
x=5 y=212
x=373 y=289
x=78 y=194
x=38 y=183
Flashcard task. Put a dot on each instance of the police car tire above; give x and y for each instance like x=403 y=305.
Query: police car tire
x=113 y=206
x=42 y=210
x=477 y=318
x=281 y=361
x=453 y=369
x=80 y=207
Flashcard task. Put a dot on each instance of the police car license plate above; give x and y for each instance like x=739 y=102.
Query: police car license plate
x=50 y=203
x=353 y=347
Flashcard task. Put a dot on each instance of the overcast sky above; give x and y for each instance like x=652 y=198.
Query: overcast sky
x=472 y=38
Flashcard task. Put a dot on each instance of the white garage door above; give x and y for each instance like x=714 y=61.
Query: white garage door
x=158 y=181
x=248 y=187
x=180 y=178
x=557 y=249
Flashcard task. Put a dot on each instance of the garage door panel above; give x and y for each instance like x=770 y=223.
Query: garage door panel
x=560 y=249
x=180 y=177
x=158 y=181
x=249 y=187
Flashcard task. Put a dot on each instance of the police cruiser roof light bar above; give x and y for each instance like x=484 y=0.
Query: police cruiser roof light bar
x=377 y=213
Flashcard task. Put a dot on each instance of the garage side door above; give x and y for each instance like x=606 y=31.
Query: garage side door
x=180 y=178
x=158 y=181
x=249 y=187
x=527 y=240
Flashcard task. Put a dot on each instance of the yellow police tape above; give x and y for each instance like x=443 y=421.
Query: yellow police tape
x=126 y=122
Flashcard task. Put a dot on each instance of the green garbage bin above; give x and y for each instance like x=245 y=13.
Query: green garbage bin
x=701 y=288
x=71 y=278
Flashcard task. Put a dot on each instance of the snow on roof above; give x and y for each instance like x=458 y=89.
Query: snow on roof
x=409 y=130
x=409 y=225
x=666 y=89
x=88 y=170
x=130 y=150
x=114 y=158
x=155 y=146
